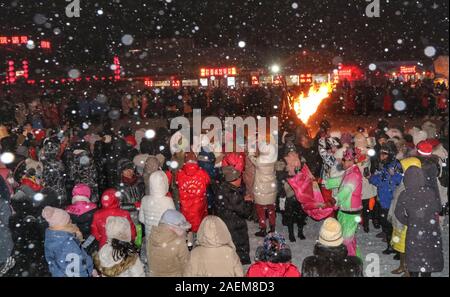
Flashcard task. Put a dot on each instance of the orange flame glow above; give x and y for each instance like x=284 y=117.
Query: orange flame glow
x=306 y=106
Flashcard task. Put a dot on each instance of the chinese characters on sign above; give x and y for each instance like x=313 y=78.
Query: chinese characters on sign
x=204 y=72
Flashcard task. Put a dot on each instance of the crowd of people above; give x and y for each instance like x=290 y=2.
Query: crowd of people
x=81 y=198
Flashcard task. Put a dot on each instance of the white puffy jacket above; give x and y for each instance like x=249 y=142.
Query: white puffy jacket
x=154 y=205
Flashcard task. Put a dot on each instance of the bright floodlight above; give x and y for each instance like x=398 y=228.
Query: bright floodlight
x=275 y=68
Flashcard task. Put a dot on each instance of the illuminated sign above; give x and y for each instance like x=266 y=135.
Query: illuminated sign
x=176 y=83
x=292 y=80
x=255 y=80
x=148 y=83
x=223 y=71
x=408 y=69
x=162 y=83
x=189 y=82
x=277 y=80
x=45 y=44
x=5 y=40
x=116 y=68
x=231 y=81
x=204 y=82
x=306 y=78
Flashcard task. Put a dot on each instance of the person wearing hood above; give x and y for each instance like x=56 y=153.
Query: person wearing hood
x=330 y=257
x=152 y=164
x=348 y=199
x=215 y=254
x=399 y=230
x=82 y=210
x=418 y=208
x=192 y=182
x=231 y=207
x=110 y=207
x=273 y=259
x=156 y=203
x=168 y=253
x=387 y=180
x=265 y=187
x=119 y=257
x=28 y=229
x=53 y=170
x=6 y=241
x=63 y=251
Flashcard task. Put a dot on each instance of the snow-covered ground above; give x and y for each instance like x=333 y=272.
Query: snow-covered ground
x=367 y=242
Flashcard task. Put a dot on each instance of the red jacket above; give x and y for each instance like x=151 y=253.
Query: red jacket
x=269 y=269
x=110 y=207
x=237 y=160
x=192 y=182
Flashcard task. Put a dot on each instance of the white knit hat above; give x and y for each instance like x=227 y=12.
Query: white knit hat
x=331 y=233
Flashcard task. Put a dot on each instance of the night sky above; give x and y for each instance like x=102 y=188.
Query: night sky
x=402 y=32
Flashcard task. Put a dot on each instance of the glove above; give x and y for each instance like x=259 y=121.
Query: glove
x=282 y=203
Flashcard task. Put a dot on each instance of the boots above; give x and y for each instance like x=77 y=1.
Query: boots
x=401 y=269
x=291 y=233
x=300 y=233
x=272 y=229
x=389 y=250
x=261 y=233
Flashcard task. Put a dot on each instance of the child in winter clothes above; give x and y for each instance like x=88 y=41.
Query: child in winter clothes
x=156 y=203
x=82 y=210
x=110 y=207
x=63 y=251
x=265 y=187
x=168 y=253
x=273 y=259
x=119 y=257
x=386 y=181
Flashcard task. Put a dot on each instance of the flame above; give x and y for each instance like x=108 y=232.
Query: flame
x=306 y=106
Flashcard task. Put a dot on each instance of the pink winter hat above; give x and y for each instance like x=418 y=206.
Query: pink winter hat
x=55 y=216
x=81 y=190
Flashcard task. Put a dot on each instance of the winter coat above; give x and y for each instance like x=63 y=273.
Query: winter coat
x=83 y=171
x=125 y=267
x=248 y=177
x=151 y=165
x=418 y=207
x=207 y=161
x=349 y=196
x=265 y=184
x=65 y=256
x=27 y=230
x=215 y=255
x=167 y=252
x=233 y=210
x=431 y=169
x=269 y=269
x=368 y=190
x=386 y=183
x=6 y=242
x=110 y=207
x=82 y=213
x=154 y=205
x=192 y=182
x=332 y=262
x=53 y=171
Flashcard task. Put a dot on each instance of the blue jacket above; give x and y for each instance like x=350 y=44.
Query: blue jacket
x=387 y=183
x=65 y=256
